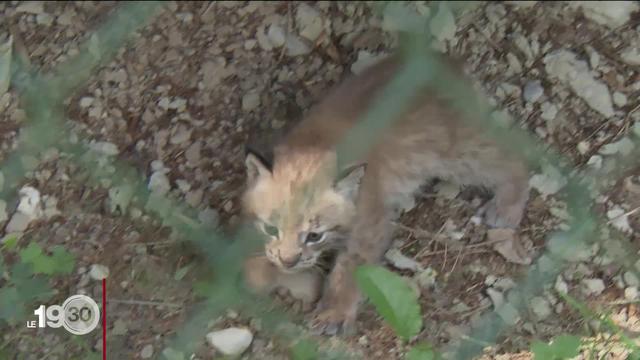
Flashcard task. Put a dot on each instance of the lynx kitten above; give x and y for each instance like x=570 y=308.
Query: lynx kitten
x=305 y=205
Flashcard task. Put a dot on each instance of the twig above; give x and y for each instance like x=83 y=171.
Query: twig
x=146 y=303
x=630 y=212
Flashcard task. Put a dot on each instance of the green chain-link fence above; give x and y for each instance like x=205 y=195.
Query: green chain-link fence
x=43 y=97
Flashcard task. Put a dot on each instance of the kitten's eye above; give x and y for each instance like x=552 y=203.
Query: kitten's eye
x=313 y=237
x=270 y=230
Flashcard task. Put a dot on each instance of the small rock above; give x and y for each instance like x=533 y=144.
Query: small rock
x=296 y=46
x=213 y=72
x=443 y=24
x=86 y=101
x=44 y=19
x=631 y=293
x=631 y=279
x=231 y=341
x=623 y=146
x=619 y=99
x=309 y=20
x=31 y=7
x=426 y=279
x=193 y=198
x=612 y=14
x=522 y=3
x=631 y=56
x=592 y=286
x=250 y=101
x=565 y=66
x=3 y=211
x=147 y=352
x=583 y=147
x=515 y=66
x=365 y=59
x=208 y=217
x=549 y=182
x=30 y=202
x=192 y=154
x=105 y=148
x=159 y=183
x=98 y=272
x=119 y=327
x=400 y=261
x=561 y=286
x=276 y=35
x=618 y=218
x=532 y=91
x=595 y=162
x=183 y=185
x=18 y=223
x=549 y=111
x=180 y=135
x=540 y=307
x=497 y=298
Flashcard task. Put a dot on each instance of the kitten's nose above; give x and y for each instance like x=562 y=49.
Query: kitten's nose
x=290 y=261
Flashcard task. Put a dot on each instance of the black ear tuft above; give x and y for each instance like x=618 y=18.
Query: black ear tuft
x=266 y=158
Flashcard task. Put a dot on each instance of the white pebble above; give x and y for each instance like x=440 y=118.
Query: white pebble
x=231 y=341
x=99 y=272
x=532 y=91
x=619 y=99
x=631 y=293
x=593 y=286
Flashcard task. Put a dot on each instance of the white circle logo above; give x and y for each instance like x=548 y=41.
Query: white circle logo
x=81 y=314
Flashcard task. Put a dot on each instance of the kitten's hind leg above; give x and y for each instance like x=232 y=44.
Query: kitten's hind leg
x=506 y=209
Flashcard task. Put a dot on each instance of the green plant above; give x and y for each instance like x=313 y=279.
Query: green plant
x=397 y=303
x=562 y=347
x=27 y=280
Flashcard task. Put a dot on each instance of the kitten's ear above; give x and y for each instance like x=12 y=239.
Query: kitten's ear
x=257 y=165
x=348 y=182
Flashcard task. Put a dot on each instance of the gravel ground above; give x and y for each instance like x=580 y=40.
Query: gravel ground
x=202 y=79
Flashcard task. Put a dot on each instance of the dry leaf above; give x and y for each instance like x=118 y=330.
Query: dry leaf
x=507 y=243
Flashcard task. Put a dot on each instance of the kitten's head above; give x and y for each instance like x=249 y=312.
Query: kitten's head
x=300 y=204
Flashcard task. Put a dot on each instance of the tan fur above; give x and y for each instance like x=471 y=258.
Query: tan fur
x=262 y=276
x=428 y=140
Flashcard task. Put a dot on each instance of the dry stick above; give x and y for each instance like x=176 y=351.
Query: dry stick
x=631 y=212
x=145 y=302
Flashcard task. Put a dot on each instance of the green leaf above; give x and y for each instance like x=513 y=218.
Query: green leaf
x=182 y=272
x=203 y=288
x=393 y=298
x=421 y=352
x=36 y=288
x=562 y=347
x=11 y=308
x=565 y=346
x=20 y=272
x=10 y=241
x=64 y=261
x=304 y=350
x=60 y=262
x=541 y=351
x=31 y=253
x=44 y=265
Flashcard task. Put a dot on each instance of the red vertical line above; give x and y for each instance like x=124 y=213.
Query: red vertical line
x=104 y=319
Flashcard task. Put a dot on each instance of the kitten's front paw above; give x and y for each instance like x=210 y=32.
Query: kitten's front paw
x=332 y=321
